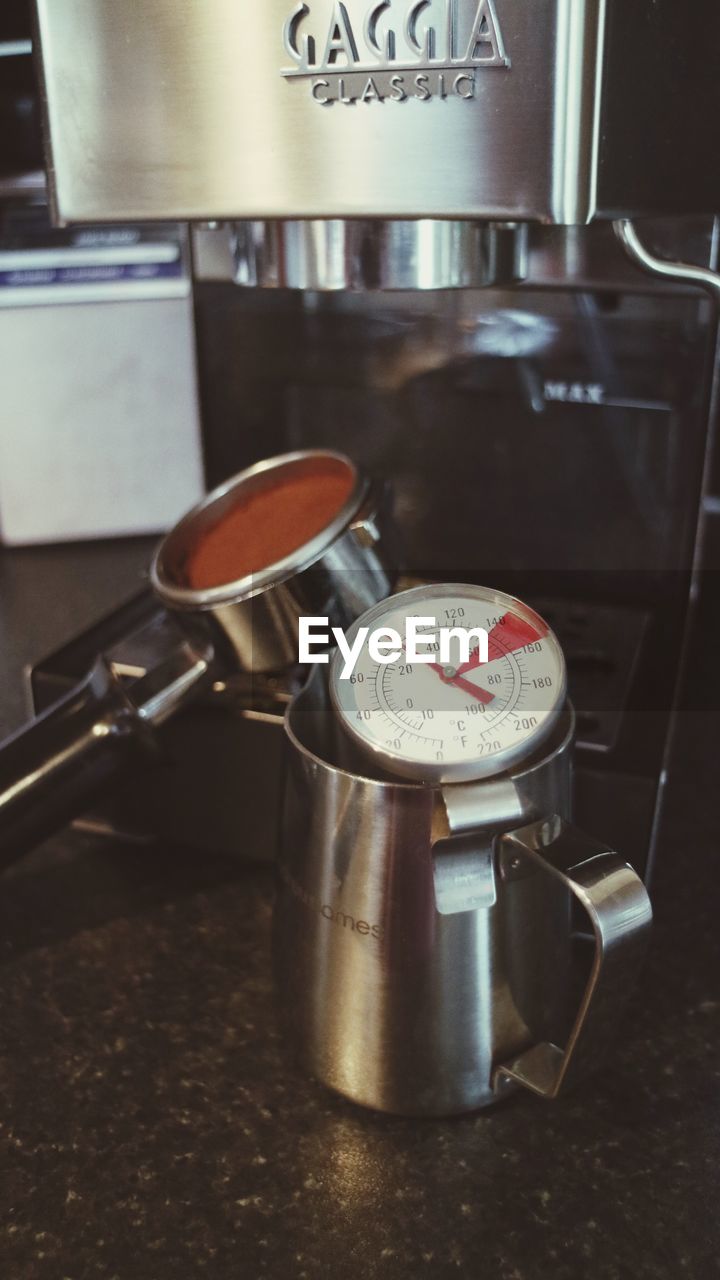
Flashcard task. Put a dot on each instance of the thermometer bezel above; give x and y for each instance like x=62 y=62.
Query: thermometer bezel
x=468 y=770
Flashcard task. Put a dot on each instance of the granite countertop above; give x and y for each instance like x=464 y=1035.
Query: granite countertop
x=152 y=1126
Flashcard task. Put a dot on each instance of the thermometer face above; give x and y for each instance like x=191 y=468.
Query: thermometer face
x=453 y=720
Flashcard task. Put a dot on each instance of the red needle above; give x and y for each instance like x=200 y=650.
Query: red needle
x=467 y=686
x=508 y=634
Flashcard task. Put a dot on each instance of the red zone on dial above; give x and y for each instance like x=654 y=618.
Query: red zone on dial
x=509 y=634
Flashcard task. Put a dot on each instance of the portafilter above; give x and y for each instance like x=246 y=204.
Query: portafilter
x=304 y=533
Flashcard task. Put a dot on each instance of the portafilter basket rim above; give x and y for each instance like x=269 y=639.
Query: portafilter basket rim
x=167 y=567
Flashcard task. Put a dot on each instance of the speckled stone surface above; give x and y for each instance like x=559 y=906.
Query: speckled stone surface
x=152 y=1127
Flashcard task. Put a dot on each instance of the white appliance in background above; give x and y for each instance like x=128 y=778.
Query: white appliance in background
x=99 y=418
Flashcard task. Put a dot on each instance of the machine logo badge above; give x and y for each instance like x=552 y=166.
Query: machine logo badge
x=395 y=50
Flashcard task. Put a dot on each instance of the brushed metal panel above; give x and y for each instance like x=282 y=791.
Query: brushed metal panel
x=181 y=108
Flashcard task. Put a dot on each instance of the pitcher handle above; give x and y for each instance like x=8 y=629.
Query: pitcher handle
x=615 y=899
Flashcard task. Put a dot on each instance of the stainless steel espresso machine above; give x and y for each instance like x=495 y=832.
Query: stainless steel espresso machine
x=471 y=244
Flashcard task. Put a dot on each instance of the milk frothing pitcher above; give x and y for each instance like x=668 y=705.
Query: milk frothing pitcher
x=424 y=932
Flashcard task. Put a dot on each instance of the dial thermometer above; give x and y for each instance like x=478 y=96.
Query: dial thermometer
x=460 y=720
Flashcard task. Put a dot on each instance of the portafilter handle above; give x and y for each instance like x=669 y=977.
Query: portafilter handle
x=50 y=770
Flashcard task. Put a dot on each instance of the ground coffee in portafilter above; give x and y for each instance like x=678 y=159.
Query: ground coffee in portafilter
x=284 y=512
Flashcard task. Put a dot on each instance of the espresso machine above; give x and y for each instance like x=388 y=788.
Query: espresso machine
x=472 y=245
